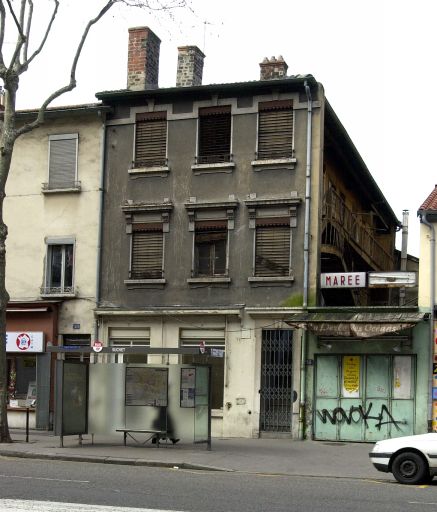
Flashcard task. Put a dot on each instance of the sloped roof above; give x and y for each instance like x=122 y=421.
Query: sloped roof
x=430 y=203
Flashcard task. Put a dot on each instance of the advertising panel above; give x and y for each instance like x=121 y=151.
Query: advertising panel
x=25 y=342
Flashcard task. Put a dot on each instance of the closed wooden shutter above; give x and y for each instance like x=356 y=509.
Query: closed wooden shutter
x=147 y=254
x=151 y=140
x=272 y=251
x=62 y=162
x=275 y=130
x=214 y=135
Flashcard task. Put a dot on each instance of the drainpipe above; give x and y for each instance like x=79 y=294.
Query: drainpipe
x=306 y=249
x=404 y=253
x=100 y=225
x=424 y=220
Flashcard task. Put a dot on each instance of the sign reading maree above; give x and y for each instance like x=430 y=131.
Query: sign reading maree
x=343 y=280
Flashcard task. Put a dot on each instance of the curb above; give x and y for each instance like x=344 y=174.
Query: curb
x=111 y=460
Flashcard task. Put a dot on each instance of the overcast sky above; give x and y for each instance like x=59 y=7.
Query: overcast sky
x=375 y=59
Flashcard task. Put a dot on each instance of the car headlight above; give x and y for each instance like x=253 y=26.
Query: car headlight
x=376 y=448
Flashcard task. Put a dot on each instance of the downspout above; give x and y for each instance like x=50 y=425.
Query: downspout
x=424 y=220
x=100 y=225
x=306 y=245
x=404 y=253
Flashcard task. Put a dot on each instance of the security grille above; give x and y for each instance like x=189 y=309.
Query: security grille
x=276 y=381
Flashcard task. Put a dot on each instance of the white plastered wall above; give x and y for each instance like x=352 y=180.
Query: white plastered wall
x=32 y=216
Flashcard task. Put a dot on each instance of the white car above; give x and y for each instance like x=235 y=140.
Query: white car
x=411 y=459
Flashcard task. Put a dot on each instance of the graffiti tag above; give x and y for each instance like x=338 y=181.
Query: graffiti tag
x=357 y=414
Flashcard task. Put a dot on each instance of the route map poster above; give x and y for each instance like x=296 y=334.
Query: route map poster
x=146 y=386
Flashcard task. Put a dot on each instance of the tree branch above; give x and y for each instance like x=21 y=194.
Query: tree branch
x=44 y=39
x=28 y=25
x=21 y=37
x=2 y=36
x=72 y=84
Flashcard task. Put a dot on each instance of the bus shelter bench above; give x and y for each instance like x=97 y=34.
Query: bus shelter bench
x=154 y=435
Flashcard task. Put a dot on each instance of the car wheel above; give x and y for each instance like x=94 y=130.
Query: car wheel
x=410 y=468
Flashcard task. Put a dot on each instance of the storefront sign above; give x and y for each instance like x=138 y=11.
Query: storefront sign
x=25 y=342
x=343 y=280
x=392 y=279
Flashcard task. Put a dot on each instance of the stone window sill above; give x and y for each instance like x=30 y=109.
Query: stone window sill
x=68 y=190
x=161 y=171
x=274 y=163
x=144 y=283
x=208 y=280
x=279 y=279
x=226 y=167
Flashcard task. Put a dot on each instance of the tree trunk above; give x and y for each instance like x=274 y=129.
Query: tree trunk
x=7 y=142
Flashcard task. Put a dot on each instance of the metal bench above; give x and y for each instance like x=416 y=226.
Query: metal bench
x=153 y=434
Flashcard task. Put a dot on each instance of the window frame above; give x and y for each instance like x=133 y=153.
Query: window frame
x=148 y=228
x=74 y=185
x=161 y=163
x=203 y=156
x=216 y=340
x=221 y=228
x=63 y=290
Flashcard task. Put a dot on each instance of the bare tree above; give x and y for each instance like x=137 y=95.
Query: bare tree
x=18 y=14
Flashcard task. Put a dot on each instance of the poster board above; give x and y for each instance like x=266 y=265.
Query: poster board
x=146 y=386
x=188 y=387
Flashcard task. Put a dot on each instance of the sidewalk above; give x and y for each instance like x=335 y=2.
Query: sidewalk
x=267 y=456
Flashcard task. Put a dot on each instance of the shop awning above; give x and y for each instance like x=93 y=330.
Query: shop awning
x=355 y=325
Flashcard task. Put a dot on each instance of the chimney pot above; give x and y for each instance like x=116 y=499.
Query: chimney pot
x=143 y=59
x=273 y=68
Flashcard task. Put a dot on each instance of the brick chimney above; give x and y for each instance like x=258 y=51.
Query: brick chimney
x=190 y=66
x=143 y=59
x=273 y=68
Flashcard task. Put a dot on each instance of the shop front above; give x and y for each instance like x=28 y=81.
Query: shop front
x=30 y=327
x=367 y=373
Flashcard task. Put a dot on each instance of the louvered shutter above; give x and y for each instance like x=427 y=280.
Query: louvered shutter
x=214 y=135
x=151 y=140
x=275 y=130
x=272 y=251
x=62 y=162
x=147 y=253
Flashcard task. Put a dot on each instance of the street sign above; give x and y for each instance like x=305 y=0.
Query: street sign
x=343 y=280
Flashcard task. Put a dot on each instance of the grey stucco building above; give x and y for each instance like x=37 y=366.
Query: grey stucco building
x=223 y=204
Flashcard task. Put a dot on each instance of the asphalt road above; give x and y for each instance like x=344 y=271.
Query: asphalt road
x=24 y=484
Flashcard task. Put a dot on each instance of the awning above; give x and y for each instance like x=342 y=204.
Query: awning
x=355 y=325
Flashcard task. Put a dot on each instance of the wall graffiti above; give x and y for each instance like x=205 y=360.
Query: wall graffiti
x=357 y=414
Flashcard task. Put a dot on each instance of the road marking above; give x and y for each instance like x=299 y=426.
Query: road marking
x=52 y=506
x=42 y=478
x=420 y=503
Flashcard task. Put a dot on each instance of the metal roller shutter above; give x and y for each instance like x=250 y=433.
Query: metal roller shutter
x=275 y=134
x=150 y=142
x=147 y=254
x=272 y=251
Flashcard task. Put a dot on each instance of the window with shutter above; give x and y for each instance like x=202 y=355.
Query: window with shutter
x=214 y=135
x=275 y=130
x=125 y=337
x=63 y=162
x=272 y=250
x=151 y=140
x=147 y=251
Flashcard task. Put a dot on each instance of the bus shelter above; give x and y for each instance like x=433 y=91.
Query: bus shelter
x=141 y=402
